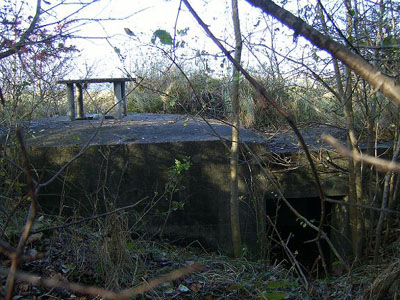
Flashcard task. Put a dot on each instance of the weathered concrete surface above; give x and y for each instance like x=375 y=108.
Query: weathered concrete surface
x=119 y=175
x=281 y=151
x=129 y=159
x=287 y=159
x=133 y=129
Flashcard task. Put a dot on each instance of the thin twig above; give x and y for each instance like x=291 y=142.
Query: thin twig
x=290 y=255
x=10 y=251
x=267 y=173
x=385 y=210
x=90 y=218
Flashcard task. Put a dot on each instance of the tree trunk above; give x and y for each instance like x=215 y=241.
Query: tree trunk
x=384 y=205
x=234 y=201
x=345 y=97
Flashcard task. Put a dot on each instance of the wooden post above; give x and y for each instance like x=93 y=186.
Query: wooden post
x=71 y=100
x=118 y=99
x=124 y=106
x=81 y=113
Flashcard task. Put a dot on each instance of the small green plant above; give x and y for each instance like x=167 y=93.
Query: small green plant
x=176 y=184
x=180 y=166
x=177 y=180
x=177 y=205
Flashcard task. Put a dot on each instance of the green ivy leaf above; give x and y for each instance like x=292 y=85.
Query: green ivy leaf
x=163 y=35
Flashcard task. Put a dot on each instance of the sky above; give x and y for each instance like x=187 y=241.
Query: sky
x=97 y=56
x=143 y=17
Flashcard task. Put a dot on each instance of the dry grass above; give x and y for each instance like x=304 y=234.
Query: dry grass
x=104 y=253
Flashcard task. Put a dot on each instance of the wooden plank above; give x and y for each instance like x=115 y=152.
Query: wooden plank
x=96 y=80
x=71 y=100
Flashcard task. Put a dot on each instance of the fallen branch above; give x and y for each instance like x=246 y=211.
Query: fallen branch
x=380 y=288
x=10 y=251
x=100 y=292
x=152 y=284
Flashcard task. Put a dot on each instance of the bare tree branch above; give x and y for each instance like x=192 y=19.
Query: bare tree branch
x=384 y=210
x=267 y=173
x=29 y=221
x=373 y=76
x=381 y=164
x=290 y=255
x=15 y=48
x=2 y=99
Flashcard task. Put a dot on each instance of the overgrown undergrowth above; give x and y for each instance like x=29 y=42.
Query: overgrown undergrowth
x=107 y=253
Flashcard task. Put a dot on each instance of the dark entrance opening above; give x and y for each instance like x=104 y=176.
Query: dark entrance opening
x=298 y=235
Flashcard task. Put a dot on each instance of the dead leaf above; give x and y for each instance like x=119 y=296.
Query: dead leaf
x=195 y=287
x=24 y=287
x=34 y=238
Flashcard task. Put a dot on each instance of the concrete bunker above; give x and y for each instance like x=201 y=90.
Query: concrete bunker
x=130 y=159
